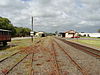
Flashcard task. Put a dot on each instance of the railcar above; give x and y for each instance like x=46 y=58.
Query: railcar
x=5 y=36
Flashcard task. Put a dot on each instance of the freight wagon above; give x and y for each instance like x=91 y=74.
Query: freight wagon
x=5 y=36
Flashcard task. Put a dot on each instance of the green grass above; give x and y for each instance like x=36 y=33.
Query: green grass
x=95 y=43
x=19 y=44
x=90 y=37
x=24 y=42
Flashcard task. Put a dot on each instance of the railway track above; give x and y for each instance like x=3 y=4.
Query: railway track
x=9 y=56
x=88 y=50
x=32 y=71
x=58 y=72
x=9 y=63
x=16 y=64
x=24 y=67
x=17 y=58
x=24 y=57
x=50 y=62
x=47 y=58
x=82 y=70
x=1 y=60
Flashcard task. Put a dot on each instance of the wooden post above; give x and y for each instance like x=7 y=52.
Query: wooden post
x=32 y=28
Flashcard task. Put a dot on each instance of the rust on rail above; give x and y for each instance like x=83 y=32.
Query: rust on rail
x=88 y=50
x=82 y=70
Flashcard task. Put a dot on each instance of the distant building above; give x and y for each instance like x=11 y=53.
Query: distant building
x=40 y=34
x=70 y=34
x=90 y=34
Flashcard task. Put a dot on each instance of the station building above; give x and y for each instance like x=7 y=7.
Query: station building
x=40 y=34
x=70 y=34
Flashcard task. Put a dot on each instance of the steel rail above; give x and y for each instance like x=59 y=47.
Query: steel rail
x=55 y=63
x=16 y=53
x=16 y=64
x=9 y=56
x=90 y=51
x=83 y=71
x=32 y=71
x=55 y=57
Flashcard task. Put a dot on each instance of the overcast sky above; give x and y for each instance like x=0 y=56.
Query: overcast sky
x=53 y=15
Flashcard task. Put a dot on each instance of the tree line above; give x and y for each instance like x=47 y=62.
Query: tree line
x=5 y=23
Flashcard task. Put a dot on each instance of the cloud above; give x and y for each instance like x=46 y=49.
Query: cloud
x=52 y=15
x=83 y=22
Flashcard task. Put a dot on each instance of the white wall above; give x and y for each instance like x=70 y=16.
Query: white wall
x=69 y=35
x=90 y=34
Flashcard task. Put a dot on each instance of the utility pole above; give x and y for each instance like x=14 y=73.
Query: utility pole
x=32 y=23
x=32 y=30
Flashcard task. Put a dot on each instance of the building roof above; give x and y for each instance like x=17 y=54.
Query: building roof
x=71 y=31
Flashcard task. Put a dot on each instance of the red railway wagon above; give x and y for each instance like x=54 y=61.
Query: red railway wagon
x=5 y=36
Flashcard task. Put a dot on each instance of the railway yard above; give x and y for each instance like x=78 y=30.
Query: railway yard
x=49 y=56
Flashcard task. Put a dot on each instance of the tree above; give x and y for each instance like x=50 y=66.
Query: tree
x=6 y=24
x=99 y=30
x=25 y=31
x=20 y=31
x=15 y=31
